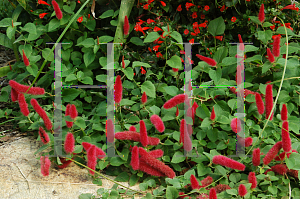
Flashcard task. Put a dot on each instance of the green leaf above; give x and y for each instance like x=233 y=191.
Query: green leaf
x=143 y=186
x=212 y=135
x=80 y=123
x=48 y=54
x=267 y=24
x=152 y=36
x=220 y=54
x=32 y=69
x=53 y=24
x=71 y=77
x=127 y=102
x=86 y=196
x=5 y=41
x=133 y=180
x=223 y=119
x=202 y=170
x=78 y=149
x=88 y=57
x=129 y=73
x=171 y=90
x=42 y=148
x=250 y=48
x=215 y=75
x=178 y=157
x=139 y=64
x=221 y=170
x=171 y=192
x=91 y=25
x=266 y=67
x=137 y=41
x=87 y=80
x=122 y=177
x=103 y=164
x=116 y=161
x=30 y=27
x=264 y=36
x=255 y=19
x=105 y=39
x=216 y=26
x=101 y=78
x=106 y=14
x=177 y=36
x=155 y=110
x=235 y=177
x=272 y=189
x=10 y=31
x=89 y=42
x=149 y=88
x=175 y=62
x=232 y=191
x=6 y=22
x=281 y=30
x=254 y=58
x=229 y=61
x=69 y=94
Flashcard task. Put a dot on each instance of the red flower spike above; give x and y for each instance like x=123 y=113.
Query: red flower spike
x=213 y=114
x=256 y=157
x=23 y=105
x=206 y=181
x=57 y=10
x=284 y=113
x=227 y=162
x=69 y=143
x=158 y=153
x=177 y=112
x=212 y=194
x=73 y=111
x=135 y=158
x=92 y=159
x=269 y=101
x=270 y=56
x=86 y=145
x=110 y=130
x=132 y=128
x=276 y=47
x=143 y=133
x=242 y=190
x=187 y=144
x=272 y=153
x=157 y=164
x=22 y=88
x=252 y=179
x=208 y=60
x=236 y=125
x=280 y=169
x=69 y=124
x=44 y=136
x=123 y=62
x=248 y=141
x=45 y=165
x=286 y=140
x=241 y=46
x=182 y=130
x=100 y=153
x=134 y=136
x=14 y=95
x=259 y=104
x=178 y=99
x=194 y=182
x=261 y=14
x=158 y=123
x=41 y=113
x=118 y=89
x=126 y=26
x=150 y=170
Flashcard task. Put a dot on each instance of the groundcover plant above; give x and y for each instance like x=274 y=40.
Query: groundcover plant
x=197 y=99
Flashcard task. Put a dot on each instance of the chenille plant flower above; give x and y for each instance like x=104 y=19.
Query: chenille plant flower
x=256 y=157
x=212 y=194
x=236 y=125
x=194 y=182
x=118 y=89
x=45 y=165
x=158 y=123
x=143 y=134
x=269 y=101
x=126 y=26
x=144 y=98
x=259 y=104
x=57 y=10
x=23 y=105
x=252 y=179
x=22 y=88
x=284 y=112
x=25 y=59
x=227 y=162
x=43 y=135
x=109 y=127
x=14 y=95
x=242 y=190
x=41 y=113
x=272 y=153
x=69 y=143
x=270 y=56
x=261 y=14
x=285 y=135
x=68 y=107
x=178 y=99
x=208 y=60
x=135 y=158
x=276 y=46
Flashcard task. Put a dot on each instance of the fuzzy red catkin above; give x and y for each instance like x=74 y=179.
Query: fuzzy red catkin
x=43 y=135
x=248 y=141
x=208 y=60
x=259 y=104
x=182 y=130
x=143 y=166
x=284 y=112
x=286 y=140
x=178 y=99
x=99 y=152
x=252 y=179
x=213 y=114
x=23 y=105
x=22 y=88
x=118 y=89
x=272 y=153
x=25 y=59
x=156 y=164
x=14 y=95
x=236 y=125
x=194 y=182
x=282 y=155
x=143 y=133
x=238 y=74
x=261 y=14
x=42 y=113
x=123 y=62
x=269 y=101
x=158 y=123
x=92 y=159
x=86 y=145
x=280 y=169
x=156 y=153
x=270 y=55
x=144 y=98
x=187 y=142
x=134 y=136
x=110 y=130
x=212 y=194
x=241 y=46
x=227 y=162
x=135 y=158
x=73 y=111
x=45 y=165
x=69 y=143
x=126 y=26
x=206 y=181
x=276 y=47
x=242 y=190
x=57 y=10
x=69 y=124
x=256 y=157
x=132 y=128
x=177 y=112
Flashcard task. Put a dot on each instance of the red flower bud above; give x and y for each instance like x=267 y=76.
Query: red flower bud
x=270 y=55
x=259 y=104
x=284 y=113
x=158 y=123
x=194 y=182
x=280 y=169
x=242 y=47
x=227 y=162
x=41 y=113
x=123 y=62
x=177 y=112
x=242 y=190
x=69 y=143
x=213 y=114
x=256 y=157
x=25 y=59
x=212 y=194
x=236 y=125
x=208 y=60
x=92 y=159
x=22 y=88
x=269 y=101
x=118 y=89
x=286 y=140
x=57 y=10
x=23 y=105
x=135 y=158
x=126 y=26
x=276 y=47
x=175 y=101
x=144 y=97
x=272 y=153
x=143 y=133
x=68 y=107
x=132 y=128
x=261 y=14
x=45 y=165
x=252 y=179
